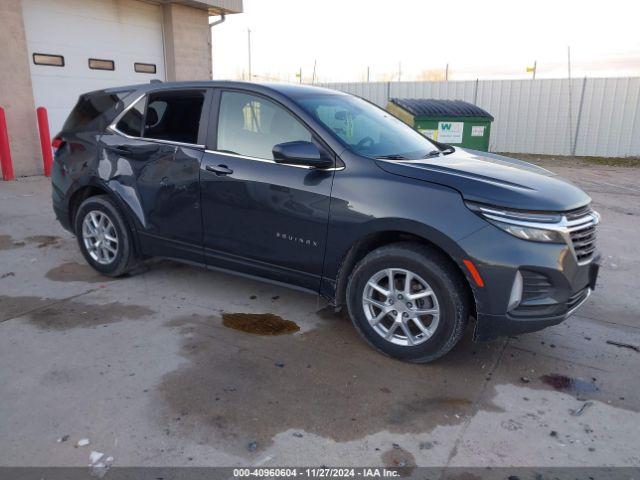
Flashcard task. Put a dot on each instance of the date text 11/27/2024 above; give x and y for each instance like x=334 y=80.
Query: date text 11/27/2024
x=323 y=472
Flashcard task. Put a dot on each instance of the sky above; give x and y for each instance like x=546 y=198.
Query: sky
x=415 y=40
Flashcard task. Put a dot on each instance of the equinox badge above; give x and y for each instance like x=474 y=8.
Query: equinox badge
x=293 y=238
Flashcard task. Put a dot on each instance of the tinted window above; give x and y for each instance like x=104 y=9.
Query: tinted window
x=251 y=125
x=174 y=116
x=365 y=128
x=131 y=123
x=87 y=114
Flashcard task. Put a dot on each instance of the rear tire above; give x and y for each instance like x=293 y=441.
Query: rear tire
x=418 y=321
x=104 y=237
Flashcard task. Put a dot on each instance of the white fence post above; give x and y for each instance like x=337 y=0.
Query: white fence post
x=575 y=141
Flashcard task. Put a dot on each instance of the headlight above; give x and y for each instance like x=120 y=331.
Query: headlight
x=535 y=227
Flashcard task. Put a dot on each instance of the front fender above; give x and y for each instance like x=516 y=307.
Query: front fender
x=367 y=201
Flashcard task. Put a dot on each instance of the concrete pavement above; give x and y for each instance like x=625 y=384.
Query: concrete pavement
x=145 y=368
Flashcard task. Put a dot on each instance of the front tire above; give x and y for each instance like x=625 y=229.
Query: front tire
x=104 y=237
x=408 y=301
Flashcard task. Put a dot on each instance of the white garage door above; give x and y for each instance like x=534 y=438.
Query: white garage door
x=121 y=34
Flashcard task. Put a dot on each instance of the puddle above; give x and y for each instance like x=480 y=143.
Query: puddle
x=566 y=384
x=237 y=389
x=51 y=314
x=76 y=272
x=43 y=241
x=259 y=323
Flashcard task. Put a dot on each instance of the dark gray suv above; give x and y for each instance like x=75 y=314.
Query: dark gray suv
x=326 y=192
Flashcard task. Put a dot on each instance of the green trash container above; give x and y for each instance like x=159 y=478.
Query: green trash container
x=453 y=122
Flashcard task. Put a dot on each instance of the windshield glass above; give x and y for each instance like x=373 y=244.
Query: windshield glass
x=365 y=128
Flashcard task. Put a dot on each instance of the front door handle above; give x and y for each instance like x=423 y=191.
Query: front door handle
x=219 y=169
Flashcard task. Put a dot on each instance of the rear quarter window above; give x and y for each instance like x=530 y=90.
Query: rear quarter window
x=88 y=114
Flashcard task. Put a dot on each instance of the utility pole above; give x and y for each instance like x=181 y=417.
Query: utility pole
x=249 y=48
x=446 y=73
x=300 y=74
x=313 y=78
x=570 y=106
x=535 y=67
x=399 y=71
x=367 y=74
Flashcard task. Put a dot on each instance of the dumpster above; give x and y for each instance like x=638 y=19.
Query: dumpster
x=454 y=122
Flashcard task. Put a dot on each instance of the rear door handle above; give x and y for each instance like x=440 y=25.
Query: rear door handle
x=219 y=169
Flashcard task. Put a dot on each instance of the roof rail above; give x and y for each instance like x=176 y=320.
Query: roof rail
x=155 y=80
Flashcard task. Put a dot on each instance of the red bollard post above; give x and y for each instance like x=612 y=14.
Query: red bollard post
x=5 y=151
x=45 y=140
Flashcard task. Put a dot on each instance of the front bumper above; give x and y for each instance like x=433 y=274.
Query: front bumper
x=556 y=284
x=490 y=327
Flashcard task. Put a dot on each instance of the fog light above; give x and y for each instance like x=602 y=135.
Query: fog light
x=516 y=292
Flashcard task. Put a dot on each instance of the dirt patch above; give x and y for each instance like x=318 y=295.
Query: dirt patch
x=76 y=272
x=400 y=460
x=7 y=243
x=43 y=241
x=239 y=389
x=51 y=314
x=568 y=161
x=329 y=313
x=259 y=323
x=11 y=307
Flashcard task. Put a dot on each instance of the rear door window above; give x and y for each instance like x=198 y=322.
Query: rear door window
x=174 y=116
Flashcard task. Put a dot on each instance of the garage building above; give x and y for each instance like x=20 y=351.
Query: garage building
x=55 y=50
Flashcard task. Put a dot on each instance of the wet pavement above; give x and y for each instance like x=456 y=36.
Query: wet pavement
x=178 y=366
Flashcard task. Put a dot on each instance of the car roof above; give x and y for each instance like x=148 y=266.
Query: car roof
x=286 y=89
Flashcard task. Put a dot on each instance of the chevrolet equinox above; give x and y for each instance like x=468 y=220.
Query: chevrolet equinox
x=325 y=192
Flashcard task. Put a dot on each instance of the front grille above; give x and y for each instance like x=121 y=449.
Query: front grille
x=578 y=213
x=582 y=230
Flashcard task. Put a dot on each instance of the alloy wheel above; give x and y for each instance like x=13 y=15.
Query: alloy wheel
x=100 y=237
x=401 y=307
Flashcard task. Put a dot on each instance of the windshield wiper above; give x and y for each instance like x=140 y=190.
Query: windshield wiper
x=448 y=149
x=433 y=153
x=393 y=156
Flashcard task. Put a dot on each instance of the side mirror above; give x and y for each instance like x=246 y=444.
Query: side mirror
x=300 y=153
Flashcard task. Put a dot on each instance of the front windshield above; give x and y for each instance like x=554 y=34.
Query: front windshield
x=365 y=128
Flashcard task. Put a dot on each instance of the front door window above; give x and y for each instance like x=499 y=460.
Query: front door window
x=250 y=125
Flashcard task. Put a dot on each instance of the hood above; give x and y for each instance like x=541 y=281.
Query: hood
x=493 y=179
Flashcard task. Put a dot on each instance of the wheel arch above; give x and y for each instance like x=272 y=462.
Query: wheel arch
x=93 y=189
x=377 y=239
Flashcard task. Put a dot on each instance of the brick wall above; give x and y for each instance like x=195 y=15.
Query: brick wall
x=187 y=43
x=16 y=94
